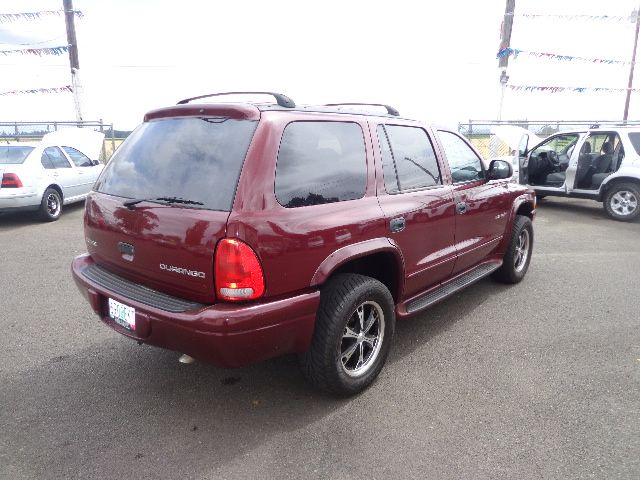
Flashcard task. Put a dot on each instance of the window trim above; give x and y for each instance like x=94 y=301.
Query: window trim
x=433 y=147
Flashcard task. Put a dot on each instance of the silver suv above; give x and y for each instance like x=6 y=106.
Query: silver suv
x=600 y=163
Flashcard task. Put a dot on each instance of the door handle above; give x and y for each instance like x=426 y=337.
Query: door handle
x=461 y=207
x=397 y=224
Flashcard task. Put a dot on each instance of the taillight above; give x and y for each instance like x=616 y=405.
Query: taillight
x=238 y=274
x=11 y=180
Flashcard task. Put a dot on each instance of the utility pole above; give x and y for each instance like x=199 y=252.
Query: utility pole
x=74 y=63
x=633 y=66
x=505 y=41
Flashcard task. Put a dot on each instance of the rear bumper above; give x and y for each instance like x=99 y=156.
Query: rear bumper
x=12 y=201
x=228 y=335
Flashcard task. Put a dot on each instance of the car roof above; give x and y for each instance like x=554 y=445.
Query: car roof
x=345 y=110
x=602 y=129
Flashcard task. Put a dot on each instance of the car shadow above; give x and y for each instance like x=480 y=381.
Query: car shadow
x=581 y=209
x=19 y=219
x=118 y=400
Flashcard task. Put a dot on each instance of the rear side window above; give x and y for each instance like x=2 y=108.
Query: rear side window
x=53 y=157
x=635 y=141
x=13 y=155
x=77 y=157
x=408 y=159
x=320 y=162
x=197 y=160
x=465 y=165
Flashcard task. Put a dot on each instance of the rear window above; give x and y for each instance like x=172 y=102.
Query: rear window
x=320 y=162
x=10 y=154
x=197 y=160
x=635 y=141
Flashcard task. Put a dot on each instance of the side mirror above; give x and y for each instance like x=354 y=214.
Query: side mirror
x=96 y=162
x=499 y=170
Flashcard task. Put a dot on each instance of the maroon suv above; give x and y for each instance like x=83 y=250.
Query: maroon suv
x=237 y=232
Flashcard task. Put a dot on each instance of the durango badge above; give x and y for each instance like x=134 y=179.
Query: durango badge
x=182 y=271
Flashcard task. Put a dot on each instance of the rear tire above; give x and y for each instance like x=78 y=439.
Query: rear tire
x=622 y=202
x=352 y=337
x=516 y=261
x=50 y=205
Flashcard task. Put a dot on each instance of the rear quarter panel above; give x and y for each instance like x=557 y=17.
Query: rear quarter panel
x=292 y=243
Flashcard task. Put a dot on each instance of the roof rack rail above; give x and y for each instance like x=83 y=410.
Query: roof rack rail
x=390 y=110
x=281 y=99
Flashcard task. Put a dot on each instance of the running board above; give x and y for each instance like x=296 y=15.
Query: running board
x=443 y=291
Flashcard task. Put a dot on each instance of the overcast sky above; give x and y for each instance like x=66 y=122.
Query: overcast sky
x=433 y=61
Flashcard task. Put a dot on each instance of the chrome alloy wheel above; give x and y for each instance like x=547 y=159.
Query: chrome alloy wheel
x=53 y=205
x=362 y=339
x=624 y=202
x=522 y=250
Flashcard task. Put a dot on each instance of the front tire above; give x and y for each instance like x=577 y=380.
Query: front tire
x=51 y=205
x=352 y=337
x=516 y=261
x=622 y=202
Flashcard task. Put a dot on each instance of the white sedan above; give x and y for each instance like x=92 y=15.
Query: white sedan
x=44 y=176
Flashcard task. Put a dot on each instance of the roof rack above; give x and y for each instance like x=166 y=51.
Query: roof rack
x=282 y=100
x=390 y=110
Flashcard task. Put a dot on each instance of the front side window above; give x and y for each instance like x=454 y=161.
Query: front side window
x=560 y=147
x=465 y=165
x=77 y=157
x=320 y=162
x=408 y=159
x=55 y=157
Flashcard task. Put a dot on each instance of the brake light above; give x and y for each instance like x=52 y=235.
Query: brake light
x=11 y=180
x=238 y=274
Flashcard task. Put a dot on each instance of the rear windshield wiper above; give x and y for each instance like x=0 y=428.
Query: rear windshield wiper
x=134 y=201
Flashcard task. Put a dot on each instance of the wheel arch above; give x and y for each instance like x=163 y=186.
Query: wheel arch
x=56 y=187
x=525 y=205
x=609 y=184
x=378 y=258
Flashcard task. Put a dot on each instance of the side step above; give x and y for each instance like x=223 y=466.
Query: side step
x=452 y=287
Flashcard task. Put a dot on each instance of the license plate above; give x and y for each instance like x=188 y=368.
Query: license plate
x=122 y=314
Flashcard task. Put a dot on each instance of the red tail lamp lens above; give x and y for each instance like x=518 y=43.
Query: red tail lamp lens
x=238 y=274
x=11 y=180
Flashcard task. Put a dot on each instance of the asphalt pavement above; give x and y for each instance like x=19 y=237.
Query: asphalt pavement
x=537 y=380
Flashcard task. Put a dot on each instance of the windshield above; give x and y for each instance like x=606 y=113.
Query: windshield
x=13 y=154
x=187 y=162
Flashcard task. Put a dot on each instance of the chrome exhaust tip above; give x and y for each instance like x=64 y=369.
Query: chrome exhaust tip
x=186 y=359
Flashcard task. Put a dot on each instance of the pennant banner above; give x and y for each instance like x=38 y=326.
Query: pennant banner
x=508 y=51
x=38 y=90
x=555 y=89
x=613 y=18
x=36 y=51
x=12 y=17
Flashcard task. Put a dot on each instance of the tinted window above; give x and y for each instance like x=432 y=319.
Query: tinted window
x=408 y=159
x=77 y=157
x=195 y=159
x=46 y=161
x=635 y=141
x=13 y=154
x=320 y=162
x=56 y=157
x=465 y=165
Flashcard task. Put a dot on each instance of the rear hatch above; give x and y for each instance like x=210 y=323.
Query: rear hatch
x=162 y=202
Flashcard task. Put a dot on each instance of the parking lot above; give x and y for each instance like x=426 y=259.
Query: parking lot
x=538 y=380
